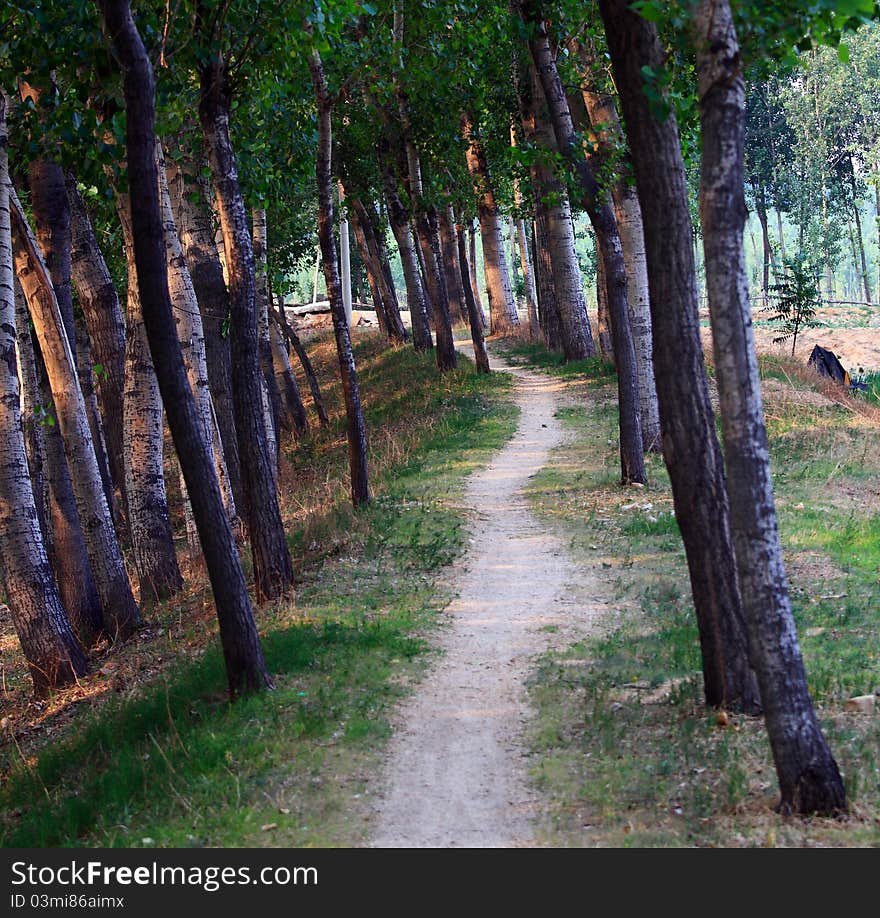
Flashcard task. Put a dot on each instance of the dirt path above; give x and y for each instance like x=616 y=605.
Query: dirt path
x=457 y=768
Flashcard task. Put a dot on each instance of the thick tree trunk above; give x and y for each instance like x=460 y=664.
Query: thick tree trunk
x=105 y=323
x=191 y=335
x=690 y=446
x=553 y=202
x=449 y=248
x=119 y=610
x=261 y=279
x=152 y=539
x=189 y=196
x=502 y=308
x=314 y=387
x=273 y=573
x=632 y=460
x=357 y=431
x=809 y=780
x=549 y=316
x=53 y=655
x=481 y=358
x=245 y=666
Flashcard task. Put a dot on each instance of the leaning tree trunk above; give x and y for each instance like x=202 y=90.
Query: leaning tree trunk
x=809 y=780
x=273 y=573
x=245 y=667
x=152 y=539
x=481 y=358
x=552 y=199
x=292 y=413
x=105 y=323
x=119 y=610
x=632 y=460
x=314 y=387
x=194 y=224
x=502 y=309
x=400 y=227
x=392 y=306
x=53 y=655
x=191 y=334
x=357 y=431
x=690 y=446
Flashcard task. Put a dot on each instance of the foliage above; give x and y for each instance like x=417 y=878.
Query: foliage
x=796 y=299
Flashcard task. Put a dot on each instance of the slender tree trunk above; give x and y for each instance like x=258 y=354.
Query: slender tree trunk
x=152 y=538
x=314 y=387
x=863 y=262
x=472 y=267
x=808 y=776
x=481 y=358
x=781 y=234
x=119 y=610
x=553 y=202
x=767 y=259
x=690 y=446
x=191 y=334
x=245 y=666
x=449 y=248
x=53 y=655
x=603 y=316
x=392 y=306
x=293 y=412
x=357 y=431
x=105 y=323
x=273 y=573
x=502 y=309
x=189 y=196
x=632 y=460
x=374 y=271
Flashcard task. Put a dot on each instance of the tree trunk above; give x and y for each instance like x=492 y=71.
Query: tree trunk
x=119 y=610
x=481 y=358
x=357 y=431
x=374 y=272
x=191 y=333
x=392 y=306
x=767 y=249
x=105 y=324
x=690 y=446
x=552 y=201
x=273 y=573
x=808 y=776
x=781 y=234
x=632 y=460
x=261 y=279
x=245 y=666
x=152 y=539
x=53 y=655
x=449 y=248
x=292 y=414
x=603 y=316
x=472 y=267
x=502 y=309
x=314 y=387
x=193 y=217
x=860 y=239
x=549 y=315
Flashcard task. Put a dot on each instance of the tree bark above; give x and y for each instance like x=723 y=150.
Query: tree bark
x=481 y=358
x=632 y=460
x=119 y=611
x=152 y=539
x=54 y=657
x=809 y=780
x=502 y=309
x=690 y=446
x=105 y=323
x=374 y=271
x=245 y=667
x=273 y=573
x=552 y=200
x=194 y=224
x=549 y=316
x=357 y=431
x=472 y=267
x=314 y=387
x=449 y=248
x=292 y=414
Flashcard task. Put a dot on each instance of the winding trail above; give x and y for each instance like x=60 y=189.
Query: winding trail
x=457 y=765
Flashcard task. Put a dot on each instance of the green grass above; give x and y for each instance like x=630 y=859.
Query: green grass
x=173 y=763
x=536 y=356
x=625 y=753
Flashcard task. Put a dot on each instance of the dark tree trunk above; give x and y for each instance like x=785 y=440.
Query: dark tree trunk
x=548 y=311
x=374 y=272
x=245 y=667
x=194 y=222
x=273 y=573
x=105 y=324
x=314 y=387
x=357 y=431
x=472 y=267
x=767 y=249
x=809 y=780
x=392 y=306
x=481 y=358
x=449 y=248
x=603 y=315
x=690 y=446
x=632 y=459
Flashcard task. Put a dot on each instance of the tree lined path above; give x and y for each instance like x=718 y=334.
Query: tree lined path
x=457 y=766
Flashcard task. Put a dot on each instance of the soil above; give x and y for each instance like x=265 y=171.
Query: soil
x=457 y=767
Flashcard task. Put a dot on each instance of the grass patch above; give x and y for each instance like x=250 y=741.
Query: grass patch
x=624 y=751
x=149 y=752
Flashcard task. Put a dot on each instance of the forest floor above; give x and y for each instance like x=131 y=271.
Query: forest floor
x=457 y=772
